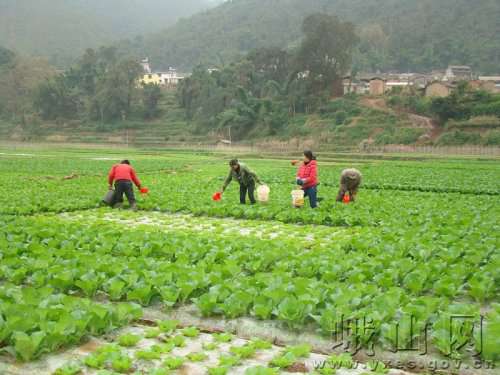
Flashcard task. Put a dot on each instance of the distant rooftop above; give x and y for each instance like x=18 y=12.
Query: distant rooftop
x=460 y=67
x=489 y=78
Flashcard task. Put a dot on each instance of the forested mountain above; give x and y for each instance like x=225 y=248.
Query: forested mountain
x=395 y=34
x=62 y=29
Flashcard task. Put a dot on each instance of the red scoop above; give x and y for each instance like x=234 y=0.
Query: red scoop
x=144 y=190
x=217 y=196
x=346 y=198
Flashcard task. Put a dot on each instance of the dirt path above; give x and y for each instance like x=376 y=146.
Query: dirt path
x=318 y=235
x=433 y=130
x=421 y=121
x=375 y=103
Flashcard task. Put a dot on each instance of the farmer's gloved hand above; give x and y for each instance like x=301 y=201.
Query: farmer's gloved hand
x=300 y=181
x=110 y=187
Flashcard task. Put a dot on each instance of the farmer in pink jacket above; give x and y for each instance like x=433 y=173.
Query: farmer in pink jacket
x=307 y=177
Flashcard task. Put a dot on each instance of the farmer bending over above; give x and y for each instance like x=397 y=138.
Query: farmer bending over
x=123 y=175
x=350 y=179
x=307 y=177
x=245 y=177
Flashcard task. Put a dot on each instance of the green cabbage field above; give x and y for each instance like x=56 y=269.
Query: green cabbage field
x=416 y=257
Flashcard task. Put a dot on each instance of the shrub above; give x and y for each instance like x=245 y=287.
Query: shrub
x=422 y=106
x=478 y=122
x=411 y=103
x=296 y=130
x=395 y=101
x=403 y=136
x=340 y=117
x=347 y=105
x=458 y=138
x=492 y=138
x=449 y=108
x=353 y=134
x=487 y=109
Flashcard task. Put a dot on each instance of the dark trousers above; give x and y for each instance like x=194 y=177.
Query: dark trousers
x=123 y=187
x=243 y=193
x=312 y=193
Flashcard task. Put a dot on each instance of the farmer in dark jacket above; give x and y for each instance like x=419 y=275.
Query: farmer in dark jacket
x=245 y=177
x=350 y=179
x=123 y=175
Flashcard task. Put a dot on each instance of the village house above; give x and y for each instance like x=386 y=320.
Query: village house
x=433 y=84
x=146 y=66
x=355 y=87
x=377 y=86
x=169 y=78
x=397 y=84
x=490 y=83
x=475 y=85
x=456 y=73
x=439 y=89
x=421 y=81
x=437 y=75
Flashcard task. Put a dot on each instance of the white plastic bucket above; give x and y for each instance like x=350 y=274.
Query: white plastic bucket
x=263 y=193
x=298 y=198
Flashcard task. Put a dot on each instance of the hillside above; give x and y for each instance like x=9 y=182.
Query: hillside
x=61 y=29
x=395 y=34
x=344 y=123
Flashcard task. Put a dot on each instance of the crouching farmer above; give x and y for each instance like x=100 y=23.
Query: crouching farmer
x=350 y=179
x=123 y=175
x=245 y=177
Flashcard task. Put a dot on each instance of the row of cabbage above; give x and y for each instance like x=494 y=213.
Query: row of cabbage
x=191 y=193
x=186 y=182
x=384 y=274
x=163 y=347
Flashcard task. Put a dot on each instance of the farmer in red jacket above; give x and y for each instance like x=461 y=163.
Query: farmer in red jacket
x=307 y=177
x=123 y=175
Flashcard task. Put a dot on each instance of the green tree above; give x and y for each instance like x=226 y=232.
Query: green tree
x=131 y=71
x=325 y=54
x=112 y=96
x=18 y=82
x=191 y=90
x=268 y=64
x=99 y=86
x=256 y=94
x=151 y=95
x=6 y=57
x=54 y=99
